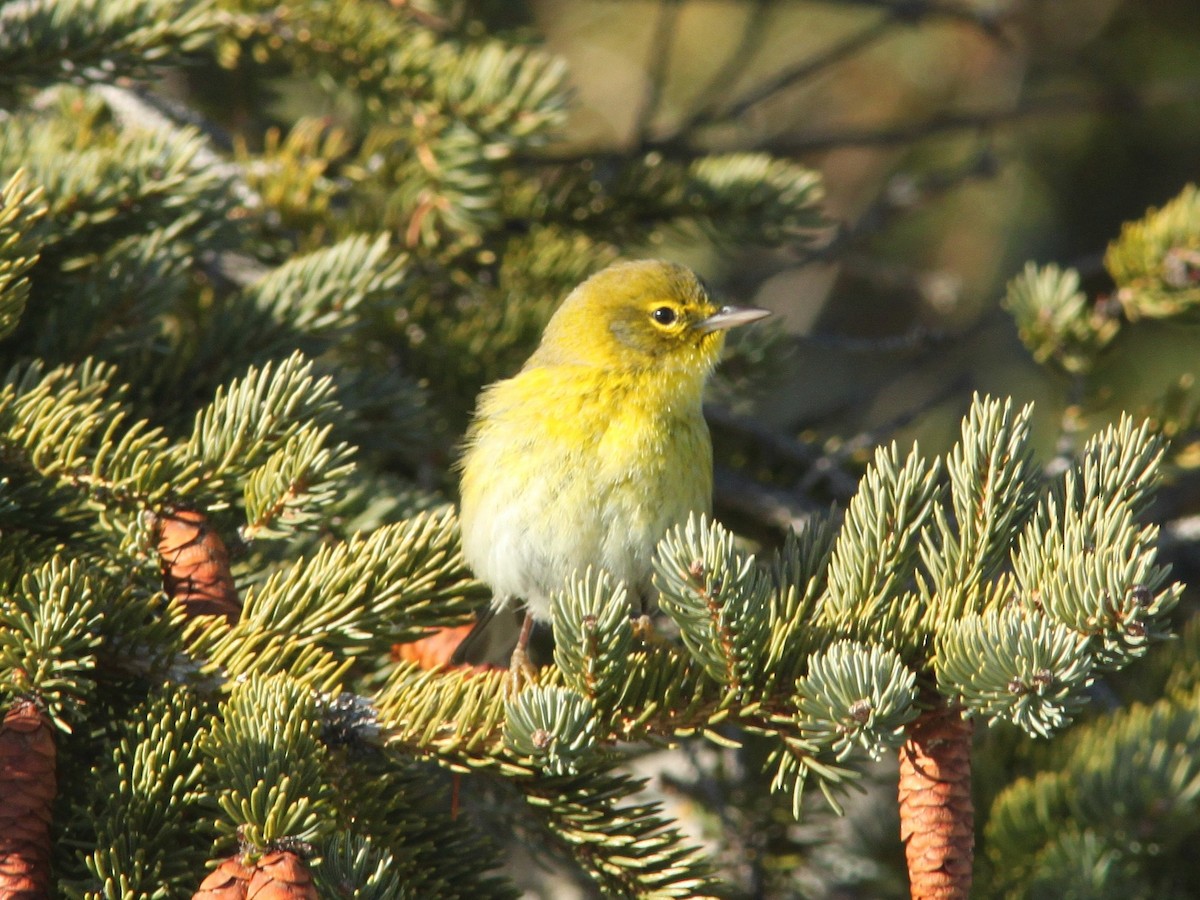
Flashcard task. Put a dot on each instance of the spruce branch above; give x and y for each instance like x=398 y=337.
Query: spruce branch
x=366 y=48
x=406 y=813
x=553 y=726
x=1107 y=585
x=1021 y=819
x=21 y=210
x=295 y=485
x=1055 y=320
x=70 y=424
x=796 y=762
x=370 y=591
x=1119 y=466
x=729 y=198
x=1130 y=786
x=229 y=654
x=317 y=295
x=323 y=290
x=543 y=264
x=103 y=185
x=1156 y=260
x=138 y=107
x=592 y=635
x=1078 y=859
x=628 y=849
x=799 y=573
x=266 y=761
x=458 y=715
x=448 y=185
x=855 y=699
x=255 y=415
x=802 y=561
x=718 y=597
x=1083 y=558
x=369 y=499
x=816 y=656
x=149 y=801
x=753 y=197
x=514 y=97
x=498 y=313
x=52 y=40
x=994 y=486
x=293 y=174
x=1017 y=666
x=664 y=693
x=873 y=558
x=124 y=317
x=355 y=866
x=353 y=597
x=49 y=640
x=1143 y=760
x=511 y=96
x=53 y=414
x=38 y=517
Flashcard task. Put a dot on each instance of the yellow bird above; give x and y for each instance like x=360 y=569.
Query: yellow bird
x=598 y=446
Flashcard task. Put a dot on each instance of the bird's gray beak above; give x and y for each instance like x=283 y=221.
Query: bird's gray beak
x=731 y=317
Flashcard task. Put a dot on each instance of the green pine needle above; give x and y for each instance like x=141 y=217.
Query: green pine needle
x=1016 y=666
x=592 y=636
x=49 y=638
x=264 y=754
x=994 y=484
x=856 y=698
x=875 y=553
x=553 y=726
x=718 y=597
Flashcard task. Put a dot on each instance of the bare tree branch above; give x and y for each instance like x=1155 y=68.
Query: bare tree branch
x=728 y=71
x=796 y=73
x=661 y=43
x=914 y=11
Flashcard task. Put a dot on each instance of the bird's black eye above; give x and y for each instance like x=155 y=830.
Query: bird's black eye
x=664 y=315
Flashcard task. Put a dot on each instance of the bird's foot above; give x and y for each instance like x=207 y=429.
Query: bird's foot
x=521 y=672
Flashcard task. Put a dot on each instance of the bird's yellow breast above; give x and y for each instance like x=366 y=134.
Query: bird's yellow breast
x=597 y=465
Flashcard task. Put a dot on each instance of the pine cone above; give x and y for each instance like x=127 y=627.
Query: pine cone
x=937 y=819
x=27 y=788
x=281 y=875
x=196 y=565
x=228 y=881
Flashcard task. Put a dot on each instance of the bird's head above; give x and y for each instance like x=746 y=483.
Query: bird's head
x=648 y=314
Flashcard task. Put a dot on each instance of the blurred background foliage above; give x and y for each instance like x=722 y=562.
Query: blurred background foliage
x=955 y=140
